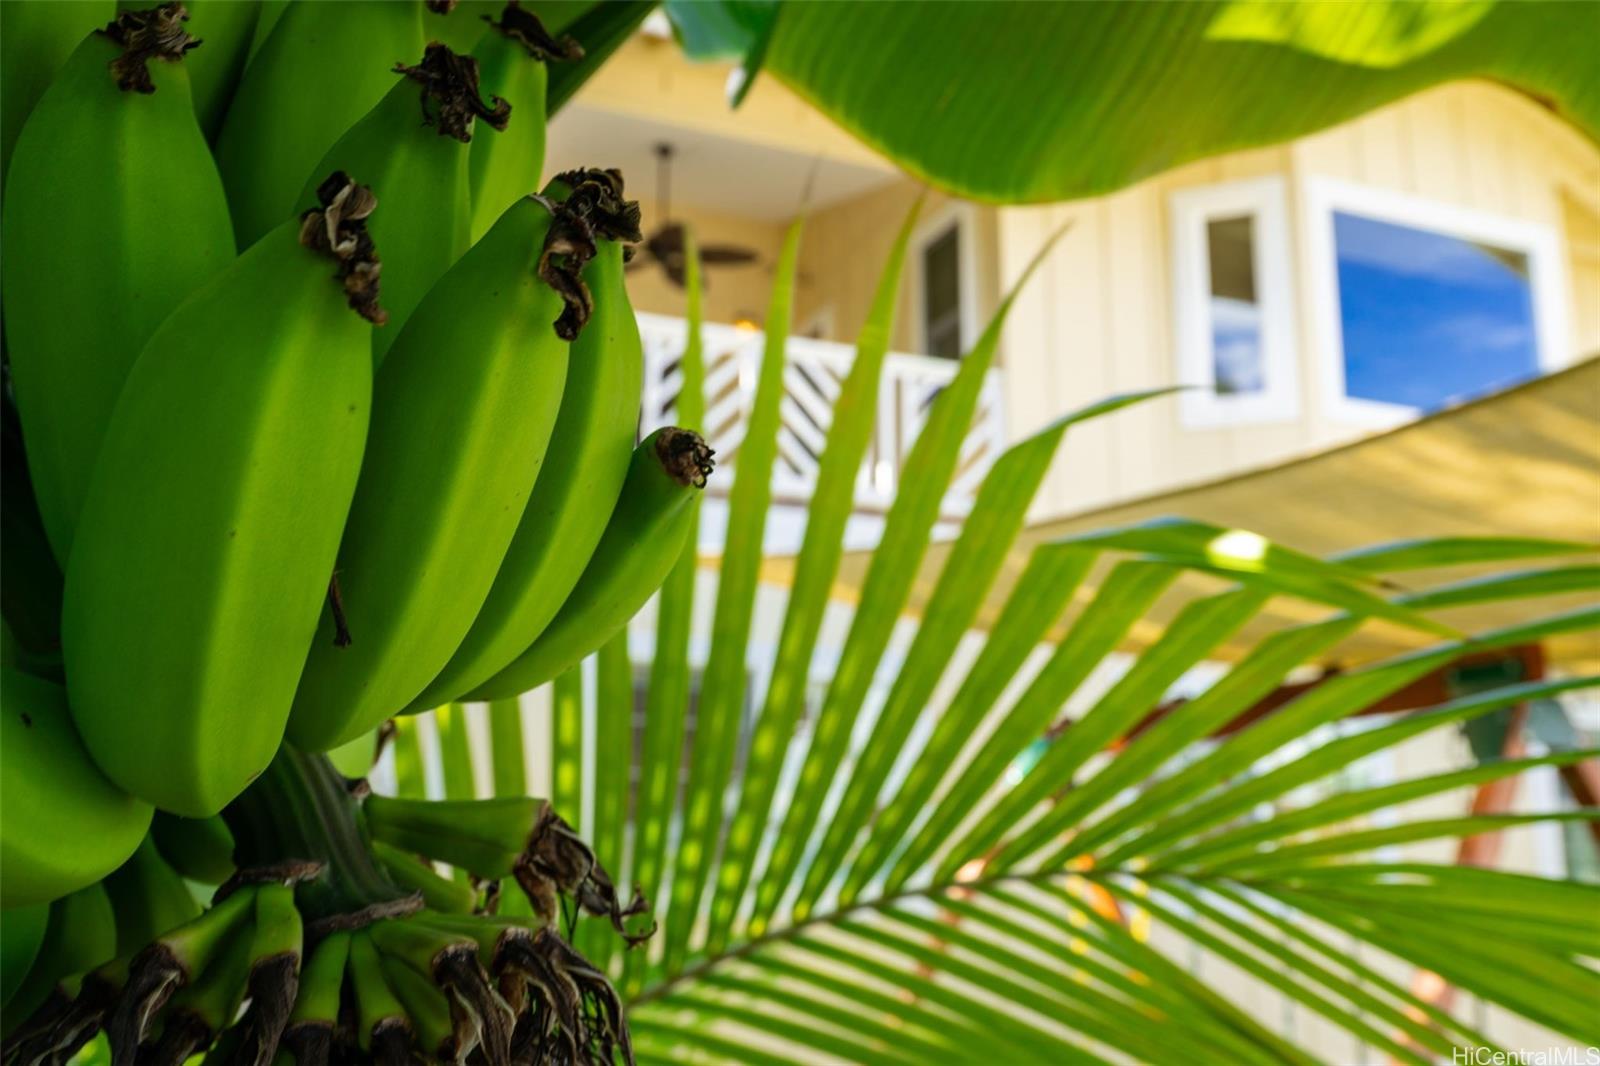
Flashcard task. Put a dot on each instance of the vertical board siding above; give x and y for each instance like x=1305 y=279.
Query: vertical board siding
x=1100 y=320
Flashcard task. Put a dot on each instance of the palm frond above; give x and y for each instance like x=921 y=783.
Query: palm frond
x=940 y=864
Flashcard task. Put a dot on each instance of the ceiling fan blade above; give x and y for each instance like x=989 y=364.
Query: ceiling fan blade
x=727 y=253
x=668 y=239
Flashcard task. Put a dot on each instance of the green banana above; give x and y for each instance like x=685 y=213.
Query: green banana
x=461 y=24
x=320 y=68
x=201 y=1009
x=382 y=1027
x=200 y=849
x=114 y=212
x=506 y=837
x=227 y=28
x=486 y=930
x=30 y=580
x=511 y=60
x=450 y=960
x=170 y=963
x=422 y=168
x=415 y=875
x=274 y=978
x=21 y=933
x=213 y=520
x=574 y=495
x=81 y=933
x=309 y=1034
x=643 y=539
x=62 y=824
x=462 y=413
x=266 y=21
x=149 y=898
x=354 y=758
x=429 y=1012
x=483 y=837
x=36 y=37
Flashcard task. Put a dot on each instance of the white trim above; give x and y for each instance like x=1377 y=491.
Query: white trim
x=819 y=325
x=1265 y=200
x=963 y=218
x=1546 y=279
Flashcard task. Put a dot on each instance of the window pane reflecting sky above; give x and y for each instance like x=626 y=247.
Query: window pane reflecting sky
x=1235 y=315
x=1429 y=319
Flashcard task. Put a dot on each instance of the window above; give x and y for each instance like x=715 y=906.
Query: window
x=944 y=257
x=1422 y=305
x=1234 y=315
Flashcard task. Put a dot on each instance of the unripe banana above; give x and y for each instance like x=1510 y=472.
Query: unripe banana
x=414 y=875
x=149 y=898
x=309 y=1034
x=274 y=980
x=462 y=413
x=170 y=963
x=354 y=758
x=643 y=539
x=200 y=849
x=461 y=25
x=511 y=60
x=200 y=1009
x=574 y=496
x=415 y=145
x=62 y=824
x=21 y=932
x=81 y=934
x=30 y=580
x=266 y=21
x=428 y=1012
x=227 y=28
x=484 y=837
x=449 y=960
x=213 y=521
x=382 y=1027
x=114 y=213
x=36 y=37
x=322 y=67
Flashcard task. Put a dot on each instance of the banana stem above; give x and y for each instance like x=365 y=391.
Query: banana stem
x=301 y=808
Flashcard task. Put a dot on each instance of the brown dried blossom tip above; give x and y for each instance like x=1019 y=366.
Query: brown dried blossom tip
x=525 y=28
x=567 y=1010
x=450 y=96
x=595 y=208
x=441 y=7
x=685 y=455
x=557 y=861
x=338 y=230
x=154 y=33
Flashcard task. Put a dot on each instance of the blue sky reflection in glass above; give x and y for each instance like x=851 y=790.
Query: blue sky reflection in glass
x=1237 y=358
x=1428 y=319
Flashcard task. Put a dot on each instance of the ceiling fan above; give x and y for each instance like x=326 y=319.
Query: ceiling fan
x=665 y=245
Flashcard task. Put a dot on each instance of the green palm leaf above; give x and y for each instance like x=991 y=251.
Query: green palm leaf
x=946 y=866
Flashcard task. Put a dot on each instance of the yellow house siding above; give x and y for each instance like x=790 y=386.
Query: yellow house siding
x=1100 y=319
x=846 y=245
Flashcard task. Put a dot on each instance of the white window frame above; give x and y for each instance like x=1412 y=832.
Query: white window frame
x=963 y=218
x=1192 y=209
x=1540 y=243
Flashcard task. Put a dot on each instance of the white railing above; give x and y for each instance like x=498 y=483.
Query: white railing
x=813 y=377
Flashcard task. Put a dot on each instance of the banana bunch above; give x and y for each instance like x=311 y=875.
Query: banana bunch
x=441 y=972
x=315 y=413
